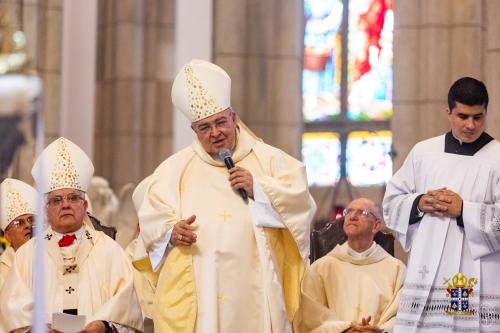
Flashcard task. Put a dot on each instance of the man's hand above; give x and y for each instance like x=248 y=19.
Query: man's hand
x=453 y=202
x=441 y=202
x=363 y=327
x=182 y=233
x=241 y=178
x=96 y=326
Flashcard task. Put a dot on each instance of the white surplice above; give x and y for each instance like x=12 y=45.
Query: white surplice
x=439 y=247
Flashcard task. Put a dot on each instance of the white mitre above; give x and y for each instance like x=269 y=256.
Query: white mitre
x=201 y=89
x=62 y=164
x=16 y=198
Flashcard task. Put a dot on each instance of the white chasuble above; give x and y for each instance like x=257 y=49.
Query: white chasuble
x=93 y=276
x=435 y=297
x=237 y=277
x=339 y=289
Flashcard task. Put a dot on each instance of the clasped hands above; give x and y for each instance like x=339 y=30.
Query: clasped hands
x=441 y=202
x=363 y=327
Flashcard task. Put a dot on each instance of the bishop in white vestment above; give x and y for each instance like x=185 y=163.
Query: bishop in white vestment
x=86 y=272
x=229 y=263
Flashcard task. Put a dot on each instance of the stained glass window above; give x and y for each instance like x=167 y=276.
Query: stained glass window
x=320 y=152
x=370 y=60
x=322 y=45
x=368 y=157
x=347 y=91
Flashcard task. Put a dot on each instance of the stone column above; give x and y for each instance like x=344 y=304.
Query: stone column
x=263 y=56
x=435 y=43
x=134 y=78
x=492 y=64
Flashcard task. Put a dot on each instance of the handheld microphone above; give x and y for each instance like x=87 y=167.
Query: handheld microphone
x=225 y=155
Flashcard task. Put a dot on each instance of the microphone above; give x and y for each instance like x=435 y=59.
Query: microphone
x=225 y=155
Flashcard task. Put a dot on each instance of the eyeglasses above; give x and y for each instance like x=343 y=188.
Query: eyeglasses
x=359 y=212
x=21 y=223
x=206 y=128
x=58 y=200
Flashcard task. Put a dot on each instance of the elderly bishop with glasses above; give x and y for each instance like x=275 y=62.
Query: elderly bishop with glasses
x=230 y=246
x=355 y=287
x=86 y=272
x=17 y=209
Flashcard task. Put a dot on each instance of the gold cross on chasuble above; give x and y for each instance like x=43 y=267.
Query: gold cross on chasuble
x=225 y=216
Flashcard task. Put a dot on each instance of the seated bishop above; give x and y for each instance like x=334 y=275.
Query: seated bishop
x=86 y=272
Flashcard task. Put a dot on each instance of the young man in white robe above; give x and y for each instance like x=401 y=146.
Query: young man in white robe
x=86 y=272
x=17 y=209
x=444 y=206
x=356 y=286
x=230 y=264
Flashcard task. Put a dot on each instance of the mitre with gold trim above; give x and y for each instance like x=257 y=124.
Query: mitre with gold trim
x=201 y=89
x=62 y=164
x=16 y=198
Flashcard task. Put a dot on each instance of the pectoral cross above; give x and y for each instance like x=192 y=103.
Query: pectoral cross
x=424 y=271
x=225 y=216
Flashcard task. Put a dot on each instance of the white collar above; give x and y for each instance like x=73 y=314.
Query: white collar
x=361 y=255
x=77 y=233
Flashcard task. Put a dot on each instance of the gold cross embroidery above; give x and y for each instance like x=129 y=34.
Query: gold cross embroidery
x=225 y=216
x=221 y=297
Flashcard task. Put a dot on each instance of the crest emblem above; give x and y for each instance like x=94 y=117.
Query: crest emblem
x=459 y=291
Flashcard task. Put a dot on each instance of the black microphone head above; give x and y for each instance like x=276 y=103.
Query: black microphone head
x=224 y=153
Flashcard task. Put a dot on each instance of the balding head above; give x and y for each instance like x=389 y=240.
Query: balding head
x=363 y=219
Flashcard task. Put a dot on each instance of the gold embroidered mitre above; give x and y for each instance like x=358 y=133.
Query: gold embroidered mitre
x=16 y=198
x=201 y=89
x=62 y=164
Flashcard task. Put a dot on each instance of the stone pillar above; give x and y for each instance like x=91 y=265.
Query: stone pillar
x=435 y=43
x=492 y=65
x=134 y=78
x=263 y=56
x=78 y=73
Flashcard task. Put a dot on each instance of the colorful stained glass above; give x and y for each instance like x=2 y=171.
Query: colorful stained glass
x=368 y=158
x=321 y=74
x=370 y=59
x=320 y=153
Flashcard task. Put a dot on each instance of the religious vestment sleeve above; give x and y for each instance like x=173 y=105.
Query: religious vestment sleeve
x=482 y=225
x=399 y=198
x=286 y=187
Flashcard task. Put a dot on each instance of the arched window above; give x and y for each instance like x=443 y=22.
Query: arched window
x=347 y=91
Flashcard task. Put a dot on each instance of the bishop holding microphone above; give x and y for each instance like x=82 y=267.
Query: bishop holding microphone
x=225 y=221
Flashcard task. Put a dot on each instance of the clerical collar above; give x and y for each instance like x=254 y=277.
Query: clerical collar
x=453 y=146
x=361 y=255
